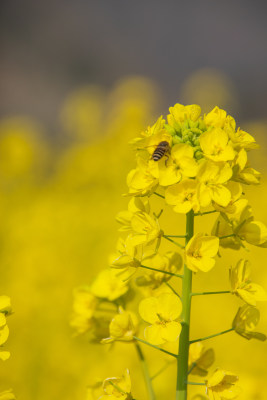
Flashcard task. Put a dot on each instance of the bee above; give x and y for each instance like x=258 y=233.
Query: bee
x=162 y=149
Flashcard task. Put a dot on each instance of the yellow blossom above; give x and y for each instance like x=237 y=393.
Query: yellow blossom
x=7 y=395
x=221 y=385
x=200 y=359
x=140 y=181
x=242 y=140
x=243 y=172
x=169 y=262
x=153 y=132
x=84 y=306
x=215 y=118
x=243 y=287
x=127 y=255
x=215 y=146
x=5 y=305
x=162 y=313
x=109 y=285
x=245 y=321
x=181 y=163
x=180 y=113
x=241 y=226
x=200 y=252
x=145 y=229
x=183 y=196
x=122 y=327
x=136 y=204
x=235 y=190
x=5 y=309
x=117 y=388
x=212 y=178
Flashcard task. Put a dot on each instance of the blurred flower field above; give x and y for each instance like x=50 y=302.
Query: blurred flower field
x=58 y=202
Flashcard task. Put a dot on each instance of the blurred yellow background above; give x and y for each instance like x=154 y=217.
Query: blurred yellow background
x=58 y=202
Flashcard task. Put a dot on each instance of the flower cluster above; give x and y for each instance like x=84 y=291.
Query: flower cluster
x=198 y=165
x=204 y=164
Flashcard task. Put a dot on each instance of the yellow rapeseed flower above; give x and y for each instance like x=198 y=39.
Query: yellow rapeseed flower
x=246 y=320
x=200 y=252
x=181 y=163
x=235 y=190
x=145 y=229
x=212 y=178
x=215 y=145
x=243 y=172
x=216 y=118
x=7 y=395
x=162 y=313
x=241 y=226
x=200 y=359
x=136 y=204
x=221 y=385
x=122 y=327
x=5 y=309
x=168 y=262
x=180 y=113
x=117 y=388
x=84 y=306
x=127 y=255
x=183 y=196
x=242 y=286
x=140 y=180
x=109 y=284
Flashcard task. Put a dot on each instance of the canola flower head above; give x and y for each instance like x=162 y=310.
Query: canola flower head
x=242 y=286
x=200 y=252
x=162 y=313
x=221 y=385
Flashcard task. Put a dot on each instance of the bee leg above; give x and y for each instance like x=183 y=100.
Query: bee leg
x=167 y=159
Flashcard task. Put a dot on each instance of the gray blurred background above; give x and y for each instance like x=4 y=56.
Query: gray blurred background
x=50 y=47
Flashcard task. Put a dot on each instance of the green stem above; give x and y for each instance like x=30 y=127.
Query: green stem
x=182 y=362
x=176 y=236
x=204 y=293
x=159 y=270
x=160 y=195
x=147 y=377
x=205 y=213
x=196 y=383
x=170 y=240
x=161 y=370
x=191 y=368
x=172 y=289
x=227 y=236
x=155 y=347
x=211 y=336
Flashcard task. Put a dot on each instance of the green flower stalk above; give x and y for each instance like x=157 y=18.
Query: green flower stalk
x=197 y=165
